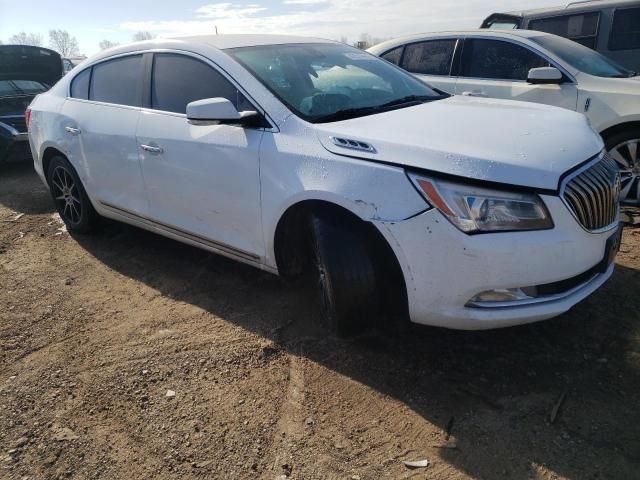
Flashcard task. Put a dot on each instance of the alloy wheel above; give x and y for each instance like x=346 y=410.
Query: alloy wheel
x=627 y=156
x=66 y=195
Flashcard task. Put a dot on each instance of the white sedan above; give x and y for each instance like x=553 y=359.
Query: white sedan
x=308 y=157
x=533 y=67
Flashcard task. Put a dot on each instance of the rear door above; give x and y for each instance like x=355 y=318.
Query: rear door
x=202 y=181
x=99 y=122
x=498 y=68
x=432 y=62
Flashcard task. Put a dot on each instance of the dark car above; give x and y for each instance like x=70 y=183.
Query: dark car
x=25 y=72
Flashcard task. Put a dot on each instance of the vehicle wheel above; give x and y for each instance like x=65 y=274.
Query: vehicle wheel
x=70 y=197
x=345 y=275
x=624 y=147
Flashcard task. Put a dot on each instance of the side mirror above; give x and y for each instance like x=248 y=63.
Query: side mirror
x=545 y=75
x=216 y=111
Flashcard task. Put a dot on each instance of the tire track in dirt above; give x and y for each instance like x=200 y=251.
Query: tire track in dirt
x=289 y=428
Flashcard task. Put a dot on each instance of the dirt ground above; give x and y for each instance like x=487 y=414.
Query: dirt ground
x=126 y=355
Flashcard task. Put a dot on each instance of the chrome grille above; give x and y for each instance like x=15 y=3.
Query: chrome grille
x=592 y=194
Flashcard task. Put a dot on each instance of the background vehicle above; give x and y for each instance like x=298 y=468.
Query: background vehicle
x=533 y=67
x=607 y=26
x=24 y=73
x=305 y=156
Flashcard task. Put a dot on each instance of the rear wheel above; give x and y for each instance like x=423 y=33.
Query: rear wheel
x=624 y=147
x=344 y=273
x=70 y=197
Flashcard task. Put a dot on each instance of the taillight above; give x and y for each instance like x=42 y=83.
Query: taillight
x=27 y=117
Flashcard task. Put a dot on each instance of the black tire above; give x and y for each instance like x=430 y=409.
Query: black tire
x=69 y=196
x=344 y=273
x=629 y=167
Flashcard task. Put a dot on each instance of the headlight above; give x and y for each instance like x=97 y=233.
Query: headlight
x=476 y=209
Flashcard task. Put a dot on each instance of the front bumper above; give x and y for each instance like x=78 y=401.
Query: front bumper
x=445 y=268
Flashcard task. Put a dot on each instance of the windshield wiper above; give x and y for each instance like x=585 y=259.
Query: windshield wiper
x=347 y=113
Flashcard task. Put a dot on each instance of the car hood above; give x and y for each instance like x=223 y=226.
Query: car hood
x=502 y=141
x=22 y=62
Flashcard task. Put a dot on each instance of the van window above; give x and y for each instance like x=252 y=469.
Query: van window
x=432 y=57
x=625 y=30
x=117 y=81
x=581 y=28
x=179 y=80
x=495 y=59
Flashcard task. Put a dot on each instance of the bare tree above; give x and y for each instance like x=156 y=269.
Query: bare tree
x=104 y=44
x=62 y=42
x=140 y=36
x=24 y=38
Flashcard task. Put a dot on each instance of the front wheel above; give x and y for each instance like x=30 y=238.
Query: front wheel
x=345 y=274
x=70 y=197
x=624 y=147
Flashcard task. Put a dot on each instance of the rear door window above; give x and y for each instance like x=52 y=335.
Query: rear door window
x=118 y=81
x=625 y=30
x=495 y=59
x=432 y=57
x=393 y=56
x=581 y=28
x=179 y=80
x=80 y=85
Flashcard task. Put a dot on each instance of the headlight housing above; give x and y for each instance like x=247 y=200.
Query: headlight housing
x=481 y=210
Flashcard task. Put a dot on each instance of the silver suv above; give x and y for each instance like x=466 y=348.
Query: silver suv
x=607 y=26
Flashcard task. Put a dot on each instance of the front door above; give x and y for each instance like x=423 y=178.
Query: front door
x=499 y=69
x=202 y=182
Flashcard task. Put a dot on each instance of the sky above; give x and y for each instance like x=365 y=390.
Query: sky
x=117 y=20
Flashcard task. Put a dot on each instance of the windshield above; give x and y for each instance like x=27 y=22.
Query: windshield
x=582 y=58
x=328 y=82
x=21 y=87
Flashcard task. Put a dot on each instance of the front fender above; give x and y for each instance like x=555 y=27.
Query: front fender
x=293 y=170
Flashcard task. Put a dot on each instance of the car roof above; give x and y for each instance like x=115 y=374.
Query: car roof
x=389 y=44
x=203 y=43
x=249 y=40
x=584 y=5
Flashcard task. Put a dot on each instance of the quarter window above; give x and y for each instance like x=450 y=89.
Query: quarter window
x=582 y=28
x=494 y=59
x=429 y=58
x=80 y=85
x=179 y=80
x=625 y=30
x=117 y=81
x=394 y=56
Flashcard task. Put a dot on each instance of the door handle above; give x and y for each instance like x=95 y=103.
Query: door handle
x=475 y=93
x=152 y=149
x=72 y=130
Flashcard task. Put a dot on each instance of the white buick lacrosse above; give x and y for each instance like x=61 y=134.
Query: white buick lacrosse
x=304 y=156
